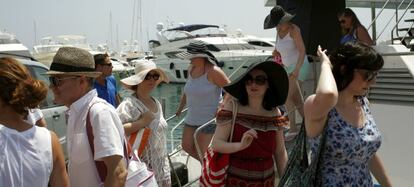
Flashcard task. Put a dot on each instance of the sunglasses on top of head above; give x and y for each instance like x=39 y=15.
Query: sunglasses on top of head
x=154 y=76
x=258 y=80
x=368 y=75
x=56 y=82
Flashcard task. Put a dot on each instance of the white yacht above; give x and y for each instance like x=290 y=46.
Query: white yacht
x=46 y=50
x=233 y=53
x=11 y=46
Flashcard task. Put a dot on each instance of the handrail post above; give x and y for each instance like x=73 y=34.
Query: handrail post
x=374 y=22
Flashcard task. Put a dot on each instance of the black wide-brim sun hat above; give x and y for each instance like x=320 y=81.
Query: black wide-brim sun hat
x=276 y=16
x=276 y=76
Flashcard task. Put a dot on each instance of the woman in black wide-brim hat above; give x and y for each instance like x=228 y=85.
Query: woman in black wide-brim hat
x=258 y=128
x=291 y=49
x=202 y=94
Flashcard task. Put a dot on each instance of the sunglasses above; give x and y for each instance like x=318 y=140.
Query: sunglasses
x=110 y=64
x=368 y=75
x=258 y=80
x=154 y=76
x=342 y=21
x=56 y=82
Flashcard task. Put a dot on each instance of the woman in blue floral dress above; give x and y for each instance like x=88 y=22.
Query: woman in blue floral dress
x=349 y=156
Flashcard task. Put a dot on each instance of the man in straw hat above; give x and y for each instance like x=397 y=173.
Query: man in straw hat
x=71 y=80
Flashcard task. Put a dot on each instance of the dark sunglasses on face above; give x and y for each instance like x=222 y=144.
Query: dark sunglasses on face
x=368 y=75
x=258 y=80
x=342 y=21
x=110 y=64
x=154 y=76
x=55 y=81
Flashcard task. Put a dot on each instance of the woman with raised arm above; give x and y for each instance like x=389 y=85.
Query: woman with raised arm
x=257 y=139
x=352 y=137
x=31 y=155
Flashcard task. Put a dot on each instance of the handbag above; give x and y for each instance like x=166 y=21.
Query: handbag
x=139 y=140
x=299 y=172
x=138 y=173
x=215 y=164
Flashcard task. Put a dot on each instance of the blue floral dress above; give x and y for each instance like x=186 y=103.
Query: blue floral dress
x=348 y=150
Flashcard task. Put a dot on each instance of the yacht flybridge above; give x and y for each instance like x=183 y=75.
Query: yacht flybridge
x=233 y=53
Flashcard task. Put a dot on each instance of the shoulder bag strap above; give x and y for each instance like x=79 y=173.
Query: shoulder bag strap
x=233 y=120
x=100 y=165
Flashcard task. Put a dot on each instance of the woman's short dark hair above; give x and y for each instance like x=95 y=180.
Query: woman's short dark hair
x=100 y=58
x=269 y=100
x=350 y=56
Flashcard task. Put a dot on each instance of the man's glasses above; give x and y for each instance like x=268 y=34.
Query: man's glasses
x=258 y=80
x=109 y=64
x=56 y=82
x=154 y=76
x=368 y=75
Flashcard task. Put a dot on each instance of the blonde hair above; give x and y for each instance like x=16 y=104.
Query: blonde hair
x=18 y=89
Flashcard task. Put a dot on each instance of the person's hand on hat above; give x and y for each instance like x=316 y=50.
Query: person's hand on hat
x=247 y=139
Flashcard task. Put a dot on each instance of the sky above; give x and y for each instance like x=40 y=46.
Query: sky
x=30 y=20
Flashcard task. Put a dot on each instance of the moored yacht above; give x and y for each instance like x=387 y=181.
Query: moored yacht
x=11 y=46
x=233 y=53
x=46 y=50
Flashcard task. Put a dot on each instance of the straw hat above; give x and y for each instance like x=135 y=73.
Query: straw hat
x=276 y=75
x=73 y=61
x=277 y=16
x=141 y=70
x=197 y=49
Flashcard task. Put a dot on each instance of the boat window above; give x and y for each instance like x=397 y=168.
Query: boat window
x=260 y=43
x=228 y=47
x=172 y=54
x=9 y=41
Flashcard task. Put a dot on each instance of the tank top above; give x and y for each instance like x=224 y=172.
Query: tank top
x=202 y=100
x=287 y=48
x=26 y=158
x=351 y=37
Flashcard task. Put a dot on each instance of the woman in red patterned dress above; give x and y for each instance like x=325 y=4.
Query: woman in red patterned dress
x=257 y=140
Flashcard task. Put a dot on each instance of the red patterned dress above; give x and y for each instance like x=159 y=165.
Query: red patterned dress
x=253 y=166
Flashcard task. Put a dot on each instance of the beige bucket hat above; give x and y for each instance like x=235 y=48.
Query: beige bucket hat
x=73 y=61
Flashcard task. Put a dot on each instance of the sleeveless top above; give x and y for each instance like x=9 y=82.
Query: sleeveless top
x=348 y=150
x=255 y=163
x=203 y=98
x=155 y=152
x=26 y=158
x=287 y=48
x=351 y=37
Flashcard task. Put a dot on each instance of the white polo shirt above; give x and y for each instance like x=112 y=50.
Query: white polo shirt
x=108 y=138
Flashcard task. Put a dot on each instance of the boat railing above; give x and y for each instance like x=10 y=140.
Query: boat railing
x=399 y=20
x=172 y=140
